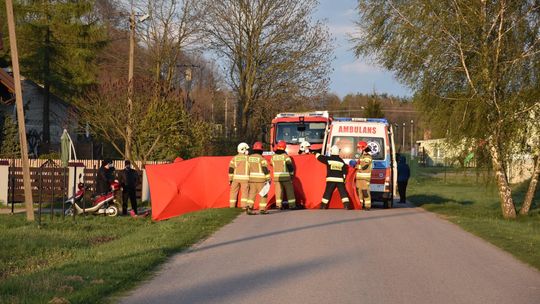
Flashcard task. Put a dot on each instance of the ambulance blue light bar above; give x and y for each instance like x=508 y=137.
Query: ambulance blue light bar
x=381 y=120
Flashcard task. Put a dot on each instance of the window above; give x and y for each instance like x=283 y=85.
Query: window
x=295 y=132
x=347 y=146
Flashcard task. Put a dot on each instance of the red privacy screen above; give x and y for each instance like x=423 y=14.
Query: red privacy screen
x=203 y=182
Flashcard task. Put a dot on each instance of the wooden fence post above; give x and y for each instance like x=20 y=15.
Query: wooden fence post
x=75 y=168
x=4 y=182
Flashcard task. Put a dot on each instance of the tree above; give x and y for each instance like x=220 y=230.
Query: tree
x=161 y=129
x=9 y=138
x=272 y=53
x=474 y=66
x=172 y=27
x=58 y=43
x=373 y=109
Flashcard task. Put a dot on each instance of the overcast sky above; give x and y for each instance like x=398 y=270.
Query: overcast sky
x=353 y=75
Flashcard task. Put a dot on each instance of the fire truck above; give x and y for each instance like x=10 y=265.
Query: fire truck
x=294 y=128
x=378 y=133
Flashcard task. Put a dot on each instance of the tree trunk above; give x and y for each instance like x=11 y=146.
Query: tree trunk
x=505 y=193
x=532 y=189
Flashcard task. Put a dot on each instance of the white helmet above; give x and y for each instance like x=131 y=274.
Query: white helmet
x=242 y=148
x=334 y=150
x=304 y=146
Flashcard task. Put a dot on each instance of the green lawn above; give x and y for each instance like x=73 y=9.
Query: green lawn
x=469 y=199
x=92 y=258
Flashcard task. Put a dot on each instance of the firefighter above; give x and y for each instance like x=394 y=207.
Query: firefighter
x=363 y=174
x=336 y=172
x=283 y=174
x=239 y=176
x=258 y=176
x=304 y=148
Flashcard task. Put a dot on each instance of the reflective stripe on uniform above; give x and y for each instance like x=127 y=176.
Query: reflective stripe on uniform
x=335 y=165
x=292 y=201
x=345 y=199
x=363 y=175
x=241 y=177
x=279 y=174
x=334 y=179
x=232 y=201
x=325 y=201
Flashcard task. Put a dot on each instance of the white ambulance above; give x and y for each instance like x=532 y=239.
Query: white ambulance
x=377 y=132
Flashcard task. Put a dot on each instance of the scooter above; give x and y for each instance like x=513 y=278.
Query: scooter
x=101 y=204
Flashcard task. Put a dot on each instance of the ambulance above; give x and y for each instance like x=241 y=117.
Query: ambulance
x=294 y=128
x=378 y=133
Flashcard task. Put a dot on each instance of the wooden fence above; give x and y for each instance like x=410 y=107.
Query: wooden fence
x=50 y=181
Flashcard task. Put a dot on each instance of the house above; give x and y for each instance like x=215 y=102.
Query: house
x=62 y=114
x=437 y=152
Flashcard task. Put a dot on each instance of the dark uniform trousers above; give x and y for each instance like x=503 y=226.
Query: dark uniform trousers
x=131 y=194
x=329 y=190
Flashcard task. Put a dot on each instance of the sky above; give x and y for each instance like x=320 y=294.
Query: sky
x=352 y=75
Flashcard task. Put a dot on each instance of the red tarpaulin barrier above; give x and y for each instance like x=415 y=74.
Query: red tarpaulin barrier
x=202 y=182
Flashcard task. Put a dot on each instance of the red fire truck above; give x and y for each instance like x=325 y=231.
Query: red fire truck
x=294 y=128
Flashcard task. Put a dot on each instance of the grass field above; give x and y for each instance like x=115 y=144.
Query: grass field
x=92 y=258
x=469 y=199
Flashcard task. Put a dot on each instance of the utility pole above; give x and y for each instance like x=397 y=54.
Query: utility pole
x=234 y=120
x=129 y=130
x=226 y=114
x=188 y=77
x=20 y=112
x=403 y=137
x=412 y=141
x=396 y=137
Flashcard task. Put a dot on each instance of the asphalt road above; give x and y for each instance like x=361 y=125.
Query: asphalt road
x=402 y=255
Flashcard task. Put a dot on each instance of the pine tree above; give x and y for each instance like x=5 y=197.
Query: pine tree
x=373 y=109
x=58 y=42
x=9 y=138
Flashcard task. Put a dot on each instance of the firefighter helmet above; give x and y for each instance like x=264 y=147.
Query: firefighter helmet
x=362 y=145
x=304 y=146
x=334 y=150
x=281 y=145
x=242 y=148
x=258 y=146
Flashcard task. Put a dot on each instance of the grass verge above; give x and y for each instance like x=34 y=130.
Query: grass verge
x=88 y=259
x=469 y=199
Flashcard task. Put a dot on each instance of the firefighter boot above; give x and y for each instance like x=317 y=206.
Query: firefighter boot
x=324 y=206
x=249 y=210
x=347 y=206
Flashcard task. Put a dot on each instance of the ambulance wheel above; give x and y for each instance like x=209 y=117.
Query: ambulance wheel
x=388 y=202
x=112 y=210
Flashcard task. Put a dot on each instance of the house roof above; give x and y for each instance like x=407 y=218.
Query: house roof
x=7 y=81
